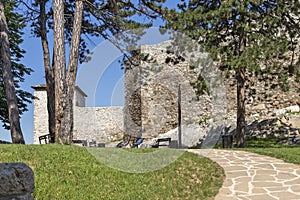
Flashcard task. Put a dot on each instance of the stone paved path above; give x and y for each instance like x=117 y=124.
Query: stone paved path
x=250 y=176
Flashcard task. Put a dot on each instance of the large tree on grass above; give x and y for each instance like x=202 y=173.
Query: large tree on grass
x=12 y=99
x=240 y=35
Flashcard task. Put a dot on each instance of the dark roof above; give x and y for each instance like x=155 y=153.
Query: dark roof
x=39 y=87
x=43 y=87
x=79 y=90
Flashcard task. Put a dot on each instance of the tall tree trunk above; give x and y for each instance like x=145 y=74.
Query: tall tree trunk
x=241 y=109
x=48 y=73
x=59 y=68
x=8 y=81
x=72 y=67
x=65 y=81
x=241 y=99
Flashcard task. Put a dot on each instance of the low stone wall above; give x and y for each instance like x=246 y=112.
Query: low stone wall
x=100 y=124
x=17 y=181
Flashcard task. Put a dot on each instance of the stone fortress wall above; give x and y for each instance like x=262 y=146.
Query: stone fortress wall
x=101 y=124
x=266 y=93
x=151 y=96
x=151 y=92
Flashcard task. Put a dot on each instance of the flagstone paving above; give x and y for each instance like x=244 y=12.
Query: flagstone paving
x=250 y=176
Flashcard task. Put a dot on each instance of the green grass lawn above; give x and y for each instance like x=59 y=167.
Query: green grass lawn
x=70 y=172
x=270 y=147
x=291 y=155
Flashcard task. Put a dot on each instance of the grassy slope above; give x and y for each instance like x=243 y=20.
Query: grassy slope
x=291 y=155
x=69 y=172
x=270 y=147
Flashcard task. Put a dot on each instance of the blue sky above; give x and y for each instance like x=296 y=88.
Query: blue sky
x=101 y=78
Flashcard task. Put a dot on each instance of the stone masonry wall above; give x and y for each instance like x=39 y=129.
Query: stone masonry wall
x=159 y=73
x=151 y=98
x=40 y=115
x=155 y=109
x=265 y=93
x=133 y=108
x=160 y=85
x=99 y=124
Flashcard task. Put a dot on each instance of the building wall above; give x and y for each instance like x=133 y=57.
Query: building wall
x=79 y=100
x=99 y=124
x=265 y=92
x=151 y=92
x=79 y=97
x=40 y=114
x=133 y=106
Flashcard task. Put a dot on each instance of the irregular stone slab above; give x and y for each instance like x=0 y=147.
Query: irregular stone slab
x=296 y=188
x=16 y=181
x=266 y=184
x=263 y=177
x=241 y=187
x=260 y=197
x=285 y=176
x=294 y=108
x=285 y=195
x=266 y=172
x=260 y=178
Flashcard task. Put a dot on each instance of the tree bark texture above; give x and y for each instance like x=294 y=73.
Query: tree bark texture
x=64 y=79
x=241 y=108
x=73 y=65
x=8 y=81
x=241 y=99
x=59 y=69
x=48 y=73
x=179 y=118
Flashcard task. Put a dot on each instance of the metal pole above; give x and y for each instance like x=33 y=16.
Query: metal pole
x=179 y=117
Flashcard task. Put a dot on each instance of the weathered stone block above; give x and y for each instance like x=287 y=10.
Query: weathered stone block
x=261 y=106
x=294 y=108
x=295 y=122
x=16 y=181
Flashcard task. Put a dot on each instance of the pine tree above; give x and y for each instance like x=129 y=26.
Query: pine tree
x=240 y=35
x=12 y=99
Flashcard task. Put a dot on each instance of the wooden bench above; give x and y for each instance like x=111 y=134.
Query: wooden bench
x=80 y=142
x=162 y=142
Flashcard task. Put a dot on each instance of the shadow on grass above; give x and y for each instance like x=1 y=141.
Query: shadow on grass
x=135 y=160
